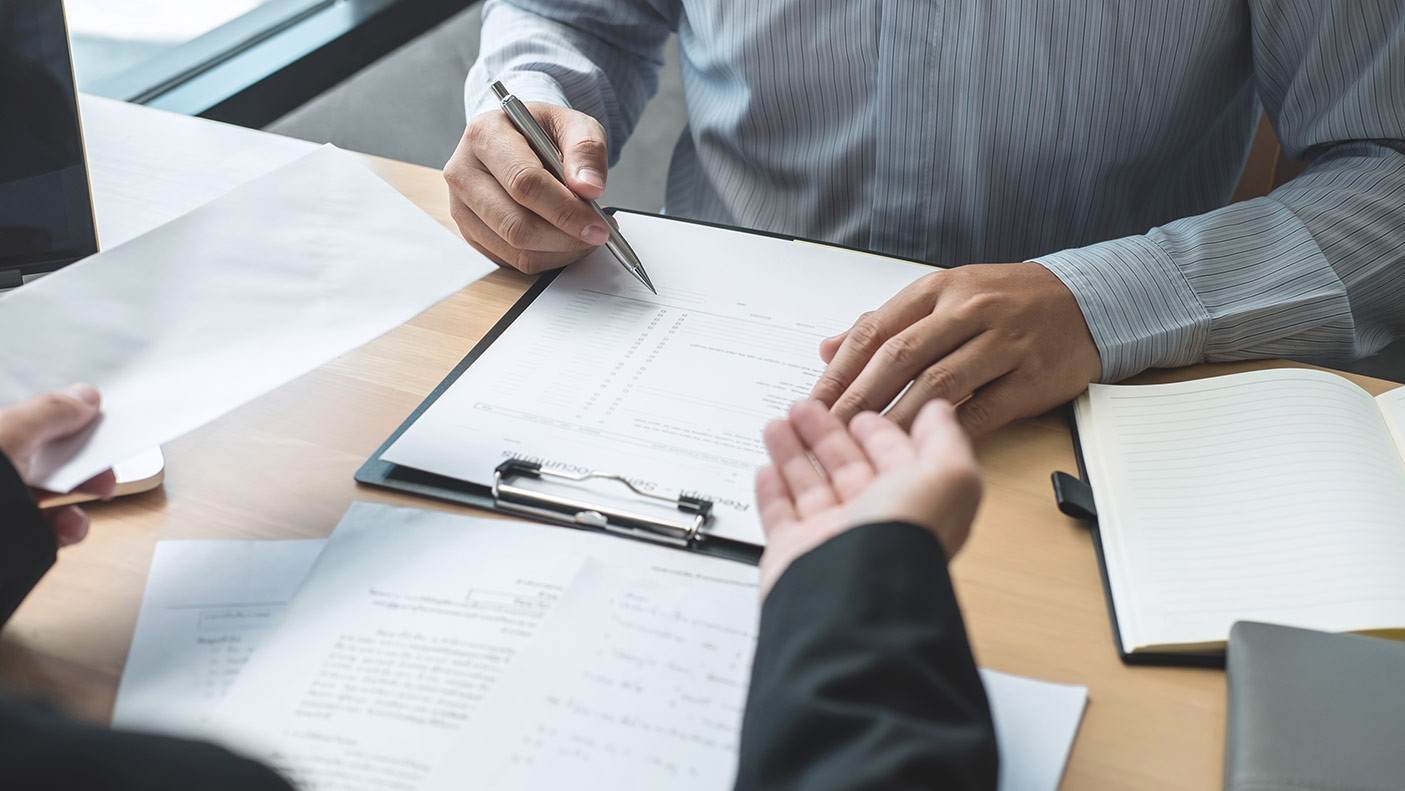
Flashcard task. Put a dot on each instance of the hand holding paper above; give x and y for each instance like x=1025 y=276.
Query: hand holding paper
x=201 y=315
x=27 y=429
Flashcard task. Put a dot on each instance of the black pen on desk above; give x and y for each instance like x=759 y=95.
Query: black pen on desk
x=550 y=156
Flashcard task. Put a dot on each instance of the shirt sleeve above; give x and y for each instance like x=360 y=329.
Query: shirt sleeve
x=601 y=57
x=1316 y=269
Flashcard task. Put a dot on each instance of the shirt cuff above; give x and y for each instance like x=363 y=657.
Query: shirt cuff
x=529 y=86
x=1139 y=306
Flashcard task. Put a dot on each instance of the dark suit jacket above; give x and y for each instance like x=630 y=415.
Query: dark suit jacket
x=863 y=678
x=42 y=749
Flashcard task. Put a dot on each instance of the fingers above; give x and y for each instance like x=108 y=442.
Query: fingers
x=69 y=523
x=506 y=154
x=862 y=341
x=773 y=500
x=938 y=434
x=840 y=457
x=900 y=359
x=29 y=425
x=830 y=346
x=487 y=242
x=1007 y=398
x=515 y=224
x=889 y=447
x=102 y=486
x=954 y=376
x=810 y=492
x=581 y=139
x=510 y=206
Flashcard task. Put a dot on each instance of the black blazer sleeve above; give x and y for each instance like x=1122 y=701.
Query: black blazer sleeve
x=42 y=749
x=863 y=677
x=27 y=545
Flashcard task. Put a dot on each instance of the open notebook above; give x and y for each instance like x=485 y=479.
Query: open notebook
x=1274 y=495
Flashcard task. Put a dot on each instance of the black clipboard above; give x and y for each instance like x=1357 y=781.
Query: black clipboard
x=1074 y=497
x=380 y=473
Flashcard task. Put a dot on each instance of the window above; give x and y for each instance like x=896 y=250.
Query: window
x=243 y=61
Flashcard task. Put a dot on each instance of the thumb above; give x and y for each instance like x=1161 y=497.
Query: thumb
x=581 y=139
x=27 y=426
x=938 y=434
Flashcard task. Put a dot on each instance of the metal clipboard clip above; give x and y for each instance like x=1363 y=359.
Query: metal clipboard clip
x=682 y=533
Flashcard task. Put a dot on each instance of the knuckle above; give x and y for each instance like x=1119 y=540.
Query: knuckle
x=939 y=381
x=567 y=214
x=867 y=332
x=827 y=388
x=932 y=283
x=474 y=131
x=978 y=305
x=975 y=415
x=899 y=352
x=590 y=147
x=456 y=175
x=515 y=228
x=524 y=182
x=850 y=404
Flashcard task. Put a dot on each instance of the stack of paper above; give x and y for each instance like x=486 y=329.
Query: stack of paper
x=427 y=651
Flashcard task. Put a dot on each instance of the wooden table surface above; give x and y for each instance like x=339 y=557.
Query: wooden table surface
x=281 y=467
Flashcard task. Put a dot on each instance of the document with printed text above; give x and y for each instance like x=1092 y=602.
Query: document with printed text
x=207 y=606
x=403 y=627
x=671 y=391
x=419 y=634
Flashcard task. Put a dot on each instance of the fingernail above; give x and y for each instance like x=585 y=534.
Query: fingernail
x=592 y=177
x=83 y=392
x=595 y=234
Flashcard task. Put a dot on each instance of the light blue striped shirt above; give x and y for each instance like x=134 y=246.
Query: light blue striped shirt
x=1100 y=139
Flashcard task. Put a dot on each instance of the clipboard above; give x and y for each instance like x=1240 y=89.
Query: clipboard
x=680 y=522
x=1074 y=497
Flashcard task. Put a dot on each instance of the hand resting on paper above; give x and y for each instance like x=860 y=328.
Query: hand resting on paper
x=1009 y=336
x=870 y=471
x=510 y=207
x=27 y=427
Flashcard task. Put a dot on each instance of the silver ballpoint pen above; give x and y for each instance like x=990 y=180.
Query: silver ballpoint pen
x=550 y=156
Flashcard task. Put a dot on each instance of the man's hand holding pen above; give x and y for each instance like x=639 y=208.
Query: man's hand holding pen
x=511 y=208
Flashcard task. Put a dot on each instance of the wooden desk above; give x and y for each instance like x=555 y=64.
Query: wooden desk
x=281 y=467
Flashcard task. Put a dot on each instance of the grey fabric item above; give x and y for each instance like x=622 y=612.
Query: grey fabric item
x=1313 y=711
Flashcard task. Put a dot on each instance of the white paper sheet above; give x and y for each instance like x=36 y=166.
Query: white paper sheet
x=211 y=310
x=1035 y=725
x=631 y=682
x=673 y=390
x=207 y=606
x=641 y=683
x=201 y=593
x=149 y=167
x=403 y=626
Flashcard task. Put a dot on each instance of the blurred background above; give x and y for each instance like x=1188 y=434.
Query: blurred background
x=380 y=76
x=383 y=77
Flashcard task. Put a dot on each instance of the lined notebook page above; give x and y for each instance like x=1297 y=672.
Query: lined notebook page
x=1392 y=405
x=1271 y=495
